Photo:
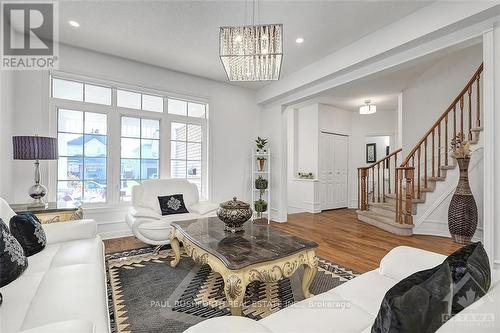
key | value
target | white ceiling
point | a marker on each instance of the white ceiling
(183, 35)
(383, 88)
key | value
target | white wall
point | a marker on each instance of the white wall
(311, 120)
(430, 94)
(306, 139)
(233, 123)
(6, 112)
(384, 122)
(381, 142)
(273, 126)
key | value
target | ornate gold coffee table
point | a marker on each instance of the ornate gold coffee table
(260, 253)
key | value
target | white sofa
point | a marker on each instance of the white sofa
(64, 287)
(144, 217)
(353, 306)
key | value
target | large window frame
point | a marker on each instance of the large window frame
(83, 179)
(114, 115)
(141, 158)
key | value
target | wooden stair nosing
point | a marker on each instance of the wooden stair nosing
(392, 196)
(385, 223)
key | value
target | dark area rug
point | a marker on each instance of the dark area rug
(145, 294)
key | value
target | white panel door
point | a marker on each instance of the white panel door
(333, 171)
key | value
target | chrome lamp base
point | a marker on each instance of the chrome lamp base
(37, 191)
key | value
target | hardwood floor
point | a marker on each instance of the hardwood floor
(341, 238)
(354, 244)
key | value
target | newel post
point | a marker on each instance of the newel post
(408, 213)
(363, 196)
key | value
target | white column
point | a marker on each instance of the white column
(491, 124)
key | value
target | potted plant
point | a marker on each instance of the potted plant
(261, 163)
(260, 207)
(462, 213)
(306, 175)
(261, 143)
(261, 183)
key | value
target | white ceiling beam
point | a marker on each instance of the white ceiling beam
(416, 28)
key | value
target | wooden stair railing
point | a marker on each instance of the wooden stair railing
(414, 172)
(377, 175)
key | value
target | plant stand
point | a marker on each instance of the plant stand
(265, 173)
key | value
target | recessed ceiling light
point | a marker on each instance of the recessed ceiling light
(74, 24)
(299, 40)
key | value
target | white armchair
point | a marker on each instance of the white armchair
(6, 212)
(144, 217)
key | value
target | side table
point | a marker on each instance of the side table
(52, 212)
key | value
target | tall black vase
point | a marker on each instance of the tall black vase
(462, 213)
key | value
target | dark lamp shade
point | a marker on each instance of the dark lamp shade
(34, 148)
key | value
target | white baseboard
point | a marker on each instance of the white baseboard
(115, 234)
(276, 216)
(113, 229)
(440, 228)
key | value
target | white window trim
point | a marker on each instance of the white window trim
(114, 114)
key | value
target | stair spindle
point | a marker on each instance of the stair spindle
(378, 182)
(396, 176)
(383, 181)
(373, 184)
(470, 112)
(396, 192)
(389, 175)
(454, 121)
(478, 97)
(439, 151)
(462, 114)
(425, 163)
(432, 154)
(418, 172)
(446, 140)
(359, 189)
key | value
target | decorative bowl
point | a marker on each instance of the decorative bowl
(234, 214)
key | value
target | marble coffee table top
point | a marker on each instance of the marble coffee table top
(256, 244)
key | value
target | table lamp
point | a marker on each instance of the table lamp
(35, 148)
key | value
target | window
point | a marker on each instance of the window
(101, 164)
(97, 94)
(140, 153)
(79, 91)
(186, 152)
(82, 164)
(184, 108)
(138, 101)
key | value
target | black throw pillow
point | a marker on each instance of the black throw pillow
(27, 229)
(172, 204)
(420, 303)
(13, 262)
(471, 274)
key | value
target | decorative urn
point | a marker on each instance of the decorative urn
(234, 214)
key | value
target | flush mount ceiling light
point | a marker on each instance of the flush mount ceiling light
(74, 24)
(299, 40)
(368, 108)
(251, 52)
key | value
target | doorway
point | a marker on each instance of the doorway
(333, 174)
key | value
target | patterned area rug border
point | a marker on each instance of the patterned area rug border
(115, 306)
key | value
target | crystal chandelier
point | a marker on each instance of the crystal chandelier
(252, 53)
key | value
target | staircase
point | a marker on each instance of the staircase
(389, 194)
